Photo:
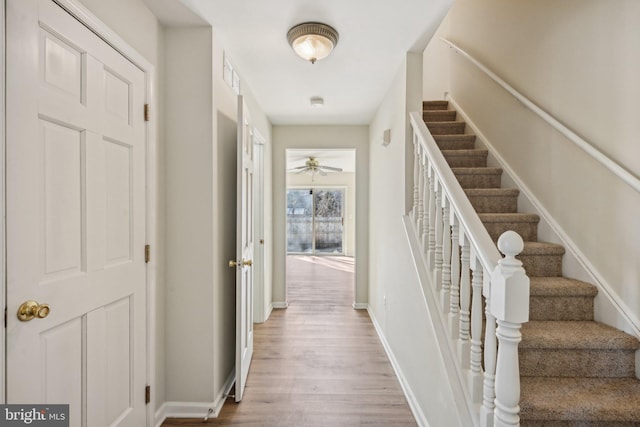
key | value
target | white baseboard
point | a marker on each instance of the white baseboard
(421, 419)
(600, 282)
(361, 306)
(160, 415)
(280, 304)
(195, 409)
(268, 313)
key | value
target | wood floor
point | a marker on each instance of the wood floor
(318, 362)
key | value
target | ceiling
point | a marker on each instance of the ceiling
(374, 37)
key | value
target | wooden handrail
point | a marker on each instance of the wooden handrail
(622, 173)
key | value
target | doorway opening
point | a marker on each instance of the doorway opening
(320, 214)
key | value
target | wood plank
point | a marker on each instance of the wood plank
(318, 362)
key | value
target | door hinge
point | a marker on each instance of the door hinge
(147, 394)
(146, 112)
(147, 253)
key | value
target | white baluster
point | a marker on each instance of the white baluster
(437, 272)
(510, 306)
(416, 155)
(424, 233)
(431, 252)
(446, 258)
(475, 375)
(454, 307)
(490, 353)
(464, 343)
(421, 185)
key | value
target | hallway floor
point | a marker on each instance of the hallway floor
(318, 362)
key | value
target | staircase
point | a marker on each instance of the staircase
(573, 371)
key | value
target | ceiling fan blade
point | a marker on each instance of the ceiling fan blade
(321, 172)
(302, 170)
(297, 167)
(331, 168)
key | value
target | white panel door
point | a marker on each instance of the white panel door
(75, 219)
(244, 250)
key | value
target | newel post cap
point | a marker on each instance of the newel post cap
(509, 282)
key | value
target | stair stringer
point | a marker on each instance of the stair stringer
(468, 412)
(610, 307)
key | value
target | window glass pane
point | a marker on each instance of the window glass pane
(299, 221)
(328, 221)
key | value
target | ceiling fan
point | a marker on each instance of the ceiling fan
(313, 166)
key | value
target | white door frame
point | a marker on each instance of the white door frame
(259, 315)
(83, 15)
(3, 281)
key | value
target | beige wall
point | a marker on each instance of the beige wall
(396, 301)
(314, 137)
(345, 180)
(579, 61)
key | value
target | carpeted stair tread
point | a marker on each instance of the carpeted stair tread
(560, 298)
(560, 287)
(491, 192)
(572, 335)
(581, 401)
(509, 217)
(542, 248)
(478, 177)
(466, 158)
(435, 105)
(526, 225)
(493, 200)
(455, 142)
(446, 128)
(439, 115)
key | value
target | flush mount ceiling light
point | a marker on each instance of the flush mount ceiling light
(312, 40)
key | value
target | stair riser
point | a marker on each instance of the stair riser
(439, 115)
(560, 308)
(479, 181)
(542, 265)
(576, 363)
(446, 128)
(479, 161)
(494, 204)
(527, 230)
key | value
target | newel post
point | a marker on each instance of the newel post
(510, 306)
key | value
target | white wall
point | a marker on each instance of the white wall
(189, 212)
(396, 300)
(326, 137)
(346, 180)
(579, 61)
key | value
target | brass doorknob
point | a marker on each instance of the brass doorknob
(243, 263)
(32, 309)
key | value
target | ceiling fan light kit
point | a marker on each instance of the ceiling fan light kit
(312, 166)
(312, 40)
